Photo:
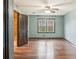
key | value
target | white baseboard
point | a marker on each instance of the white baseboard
(71, 42)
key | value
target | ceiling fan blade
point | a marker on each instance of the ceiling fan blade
(30, 6)
(55, 8)
(52, 11)
(67, 3)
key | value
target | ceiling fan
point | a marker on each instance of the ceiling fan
(50, 9)
(47, 8)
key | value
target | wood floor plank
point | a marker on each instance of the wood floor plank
(46, 49)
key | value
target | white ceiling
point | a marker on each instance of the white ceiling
(34, 7)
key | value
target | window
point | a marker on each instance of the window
(45, 24)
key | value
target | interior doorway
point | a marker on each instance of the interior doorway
(20, 29)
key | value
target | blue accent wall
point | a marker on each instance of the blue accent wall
(70, 26)
(59, 27)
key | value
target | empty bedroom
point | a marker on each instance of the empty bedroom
(44, 29)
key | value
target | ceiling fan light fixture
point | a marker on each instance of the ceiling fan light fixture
(47, 11)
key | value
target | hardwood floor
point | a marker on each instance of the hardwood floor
(46, 49)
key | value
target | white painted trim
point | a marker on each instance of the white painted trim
(28, 30)
(70, 43)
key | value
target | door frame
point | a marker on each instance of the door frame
(17, 26)
(6, 30)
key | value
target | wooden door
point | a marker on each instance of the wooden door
(25, 17)
(23, 30)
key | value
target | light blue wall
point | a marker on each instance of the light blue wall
(11, 51)
(70, 26)
(59, 27)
